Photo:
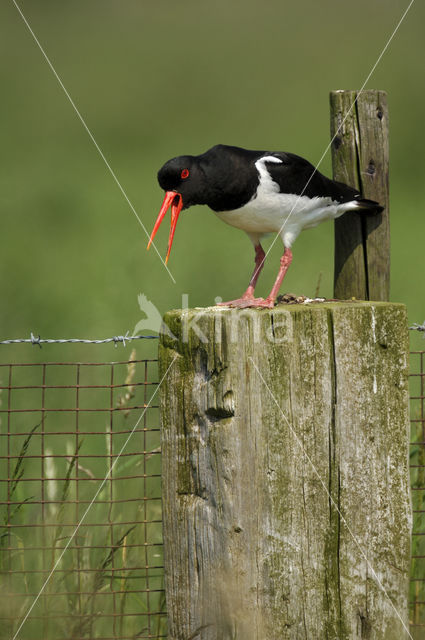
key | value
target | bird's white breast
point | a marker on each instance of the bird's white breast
(270, 211)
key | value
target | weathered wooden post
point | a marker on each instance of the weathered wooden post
(360, 152)
(285, 472)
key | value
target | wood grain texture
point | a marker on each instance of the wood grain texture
(360, 158)
(285, 472)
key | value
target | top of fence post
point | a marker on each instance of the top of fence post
(359, 130)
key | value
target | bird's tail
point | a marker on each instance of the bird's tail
(368, 206)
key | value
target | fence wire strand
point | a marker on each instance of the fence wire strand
(39, 341)
(124, 339)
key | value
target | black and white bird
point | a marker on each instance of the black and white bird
(260, 192)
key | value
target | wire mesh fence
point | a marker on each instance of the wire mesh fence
(417, 478)
(62, 427)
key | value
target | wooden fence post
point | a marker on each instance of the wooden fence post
(359, 122)
(286, 501)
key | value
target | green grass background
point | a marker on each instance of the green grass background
(154, 80)
(158, 79)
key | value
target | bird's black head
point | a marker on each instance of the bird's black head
(183, 182)
(184, 176)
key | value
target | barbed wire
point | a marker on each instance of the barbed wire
(37, 340)
(418, 327)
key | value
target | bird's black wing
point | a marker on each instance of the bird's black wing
(298, 176)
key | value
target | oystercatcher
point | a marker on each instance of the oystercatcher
(260, 192)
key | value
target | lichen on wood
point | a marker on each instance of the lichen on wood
(285, 472)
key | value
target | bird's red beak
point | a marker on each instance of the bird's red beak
(176, 201)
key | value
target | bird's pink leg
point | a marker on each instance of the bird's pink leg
(248, 296)
(285, 261)
(259, 264)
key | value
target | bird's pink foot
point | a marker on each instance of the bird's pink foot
(246, 303)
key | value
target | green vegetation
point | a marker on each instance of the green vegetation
(153, 80)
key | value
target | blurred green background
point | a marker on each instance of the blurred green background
(158, 79)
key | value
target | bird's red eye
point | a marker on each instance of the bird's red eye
(184, 174)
